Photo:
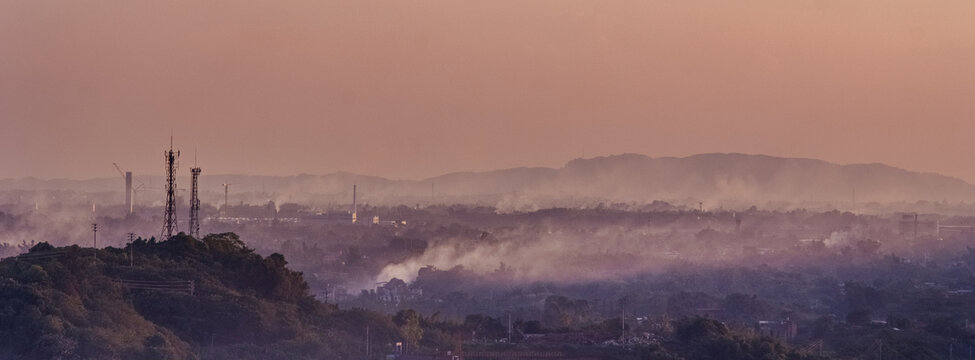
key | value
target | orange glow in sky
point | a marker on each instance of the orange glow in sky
(411, 89)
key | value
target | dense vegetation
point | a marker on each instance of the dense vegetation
(63, 303)
(856, 286)
(71, 303)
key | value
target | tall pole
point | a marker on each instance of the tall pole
(623, 325)
(509, 327)
(131, 249)
(355, 208)
(367, 341)
(915, 228)
(226, 197)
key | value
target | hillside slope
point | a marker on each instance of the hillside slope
(62, 303)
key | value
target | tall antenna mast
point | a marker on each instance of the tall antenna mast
(195, 204)
(354, 205)
(169, 226)
(195, 201)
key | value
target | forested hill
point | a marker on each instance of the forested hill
(214, 298)
(183, 299)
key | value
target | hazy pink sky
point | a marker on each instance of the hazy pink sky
(411, 89)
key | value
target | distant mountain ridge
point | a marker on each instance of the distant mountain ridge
(634, 178)
(719, 177)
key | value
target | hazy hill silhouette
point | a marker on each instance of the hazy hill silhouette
(716, 177)
(738, 178)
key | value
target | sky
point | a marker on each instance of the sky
(413, 89)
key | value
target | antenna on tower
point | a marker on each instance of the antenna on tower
(195, 202)
(169, 224)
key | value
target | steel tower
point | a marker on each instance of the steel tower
(170, 226)
(195, 205)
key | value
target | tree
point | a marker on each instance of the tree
(409, 326)
(41, 246)
(562, 312)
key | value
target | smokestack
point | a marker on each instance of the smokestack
(128, 191)
(915, 228)
(354, 205)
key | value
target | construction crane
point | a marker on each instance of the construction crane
(135, 191)
(120, 172)
(127, 178)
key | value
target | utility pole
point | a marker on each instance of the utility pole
(226, 196)
(94, 239)
(367, 341)
(131, 249)
(509, 327)
(623, 324)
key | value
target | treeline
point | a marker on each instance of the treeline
(878, 305)
(69, 303)
(230, 303)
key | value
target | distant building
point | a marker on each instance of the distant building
(911, 224)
